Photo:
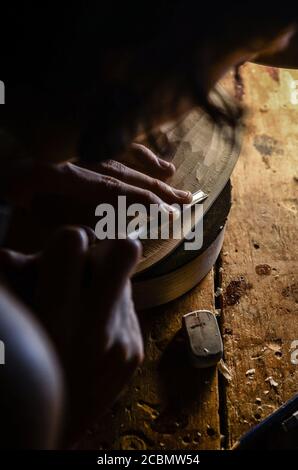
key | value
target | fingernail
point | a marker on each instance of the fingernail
(165, 164)
(185, 195)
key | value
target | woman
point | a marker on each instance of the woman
(81, 85)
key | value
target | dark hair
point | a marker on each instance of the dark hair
(57, 58)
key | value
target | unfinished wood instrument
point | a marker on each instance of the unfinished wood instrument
(205, 155)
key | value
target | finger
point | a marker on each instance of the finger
(135, 178)
(58, 209)
(60, 280)
(79, 191)
(14, 262)
(92, 239)
(129, 331)
(105, 380)
(20, 271)
(111, 262)
(110, 338)
(144, 160)
(115, 373)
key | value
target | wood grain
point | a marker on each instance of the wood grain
(205, 155)
(259, 261)
(168, 404)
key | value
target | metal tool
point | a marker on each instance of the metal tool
(203, 337)
(279, 431)
(197, 198)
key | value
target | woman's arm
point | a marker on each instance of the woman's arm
(31, 387)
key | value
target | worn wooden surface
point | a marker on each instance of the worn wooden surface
(259, 259)
(168, 405)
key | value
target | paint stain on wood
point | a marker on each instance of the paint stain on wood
(291, 291)
(267, 146)
(263, 269)
(235, 290)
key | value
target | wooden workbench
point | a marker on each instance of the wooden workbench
(169, 405)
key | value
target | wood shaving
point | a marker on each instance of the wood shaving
(274, 347)
(225, 371)
(218, 292)
(272, 382)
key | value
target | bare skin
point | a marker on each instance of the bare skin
(97, 336)
(80, 293)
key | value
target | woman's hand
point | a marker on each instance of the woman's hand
(104, 182)
(82, 296)
(66, 193)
